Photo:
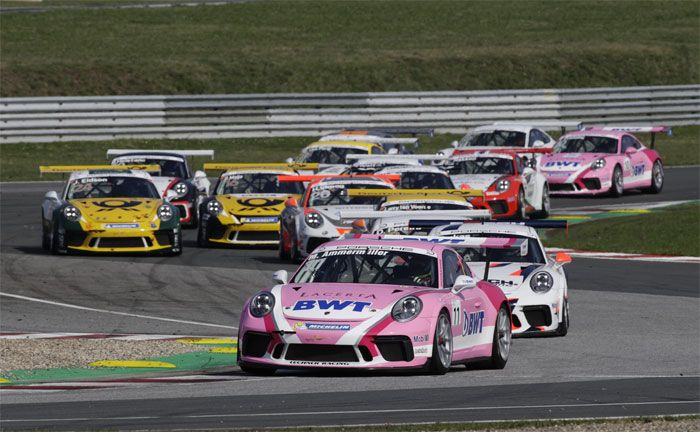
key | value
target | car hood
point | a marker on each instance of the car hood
(474, 181)
(569, 161)
(254, 204)
(98, 211)
(339, 301)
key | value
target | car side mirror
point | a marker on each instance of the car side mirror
(562, 258)
(280, 277)
(51, 195)
(463, 282)
(454, 144)
(170, 195)
(291, 202)
(289, 160)
(538, 143)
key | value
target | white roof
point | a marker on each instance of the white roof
(503, 127)
(125, 159)
(485, 154)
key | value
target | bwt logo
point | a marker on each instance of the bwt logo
(563, 164)
(356, 306)
(436, 240)
(473, 323)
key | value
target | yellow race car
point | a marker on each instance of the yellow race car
(246, 203)
(109, 209)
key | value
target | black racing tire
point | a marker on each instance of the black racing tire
(563, 327)
(543, 213)
(58, 241)
(202, 240)
(617, 187)
(294, 253)
(45, 236)
(657, 178)
(520, 212)
(502, 339)
(441, 360)
(176, 251)
(283, 254)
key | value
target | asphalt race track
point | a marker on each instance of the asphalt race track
(633, 347)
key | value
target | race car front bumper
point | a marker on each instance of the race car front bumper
(532, 319)
(589, 182)
(120, 241)
(501, 205)
(244, 233)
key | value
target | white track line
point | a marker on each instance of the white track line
(67, 305)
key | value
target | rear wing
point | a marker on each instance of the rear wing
(464, 193)
(506, 150)
(389, 130)
(414, 214)
(456, 242)
(63, 169)
(544, 224)
(394, 157)
(309, 178)
(372, 139)
(553, 125)
(119, 152)
(215, 166)
(653, 130)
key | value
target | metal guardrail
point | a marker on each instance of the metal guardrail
(55, 119)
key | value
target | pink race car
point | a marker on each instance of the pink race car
(603, 160)
(376, 302)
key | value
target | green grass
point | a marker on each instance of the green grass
(670, 231)
(311, 46)
(21, 161)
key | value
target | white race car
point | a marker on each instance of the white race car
(534, 283)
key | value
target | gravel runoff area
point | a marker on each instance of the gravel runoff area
(635, 425)
(64, 353)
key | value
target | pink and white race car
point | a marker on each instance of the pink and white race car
(377, 302)
(603, 160)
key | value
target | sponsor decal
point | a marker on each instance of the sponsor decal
(317, 363)
(332, 294)
(503, 283)
(638, 170)
(420, 350)
(473, 323)
(260, 219)
(93, 180)
(354, 306)
(421, 338)
(122, 225)
(268, 204)
(327, 326)
(562, 164)
(116, 204)
(358, 251)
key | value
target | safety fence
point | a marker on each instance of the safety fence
(56, 119)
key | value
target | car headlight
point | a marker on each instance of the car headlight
(71, 213)
(541, 282)
(313, 219)
(406, 309)
(165, 213)
(214, 207)
(262, 304)
(598, 164)
(181, 189)
(502, 185)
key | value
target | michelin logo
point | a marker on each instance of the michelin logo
(336, 327)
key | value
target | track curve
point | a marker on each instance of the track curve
(632, 349)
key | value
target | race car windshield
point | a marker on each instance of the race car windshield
(368, 265)
(587, 144)
(329, 155)
(337, 194)
(111, 187)
(482, 165)
(497, 138)
(257, 184)
(168, 168)
(372, 167)
(425, 180)
(534, 253)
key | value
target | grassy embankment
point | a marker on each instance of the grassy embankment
(669, 231)
(350, 46)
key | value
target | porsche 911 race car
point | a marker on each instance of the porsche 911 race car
(109, 209)
(414, 175)
(512, 189)
(603, 160)
(535, 284)
(376, 303)
(328, 153)
(508, 134)
(174, 175)
(383, 137)
(315, 219)
(246, 203)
